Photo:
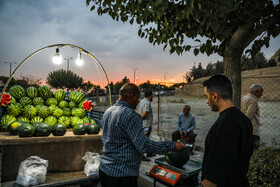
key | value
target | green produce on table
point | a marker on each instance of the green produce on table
(38, 101)
(77, 97)
(78, 112)
(80, 105)
(178, 158)
(14, 109)
(24, 101)
(59, 95)
(5, 121)
(64, 120)
(51, 120)
(12, 128)
(43, 111)
(26, 130)
(63, 104)
(67, 112)
(58, 112)
(51, 101)
(93, 128)
(45, 92)
(52, 108)
(75, 120)
(29, 111)
(43, 129)
(59, 129)
(36, 124)
(31, 92)
(72, 104)
(36, 119)
(80, 129)
(22, 118)
(17, 91)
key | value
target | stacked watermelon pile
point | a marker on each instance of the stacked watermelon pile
(41, 105)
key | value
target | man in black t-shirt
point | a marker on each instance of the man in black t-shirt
(229, 142)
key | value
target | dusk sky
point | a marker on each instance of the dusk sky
(26, 26)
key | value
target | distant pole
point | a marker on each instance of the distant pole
(10, 66)
(134, 70)
(165, 76)
(68, 59)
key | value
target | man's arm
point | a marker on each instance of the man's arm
(207, 183)
(144, 114)
(193, 125)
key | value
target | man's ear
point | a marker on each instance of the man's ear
(215, 96)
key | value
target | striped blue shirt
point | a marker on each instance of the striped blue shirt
(124, 141)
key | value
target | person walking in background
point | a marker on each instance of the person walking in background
(146, 112)
(250, 107)
(124, 141)
(229, 142)
(185, 125)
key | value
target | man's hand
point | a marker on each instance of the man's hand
(179, 146)
(181, 133)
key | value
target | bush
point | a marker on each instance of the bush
(264, 169)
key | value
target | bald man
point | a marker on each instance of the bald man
(124, 141)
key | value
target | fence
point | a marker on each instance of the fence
(192, 94)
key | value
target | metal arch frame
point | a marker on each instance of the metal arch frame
(60, 46)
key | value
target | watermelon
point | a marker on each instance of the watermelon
(63, 104)
(25, 130)
(85, 120)
(51, 120)
(80, 129)
(67, 112)
(52, 108)
(5, 121)
(78, 112)
(58, 112)
(43, 111)
(22, 118)
(17, 91)
(64, 120)
(43, 129)
(93, 128)
(29, 111)
(31, 92)
(13, 100)
(78, 97)
(25, 101)
(178, 158)
(38, 101)
(80, 105)
(12, 128)
(71, 96)
(75, 120)
(14, 109)
(59, 95)
(36, 119)
(44, 91)
(72, 104)
(51, 101)
(59, 129)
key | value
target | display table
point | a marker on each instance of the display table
(64, 153)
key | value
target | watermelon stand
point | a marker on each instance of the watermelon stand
(64, 153)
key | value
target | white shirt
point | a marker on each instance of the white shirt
(145, 105)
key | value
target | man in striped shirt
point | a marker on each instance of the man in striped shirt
(124, 141)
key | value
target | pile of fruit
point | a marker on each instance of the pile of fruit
(43, 110)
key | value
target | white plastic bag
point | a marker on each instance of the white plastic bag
(92, 163)
(32, 171)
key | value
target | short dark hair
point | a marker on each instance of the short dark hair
(129, 90)
(220, 84)
(148, 93)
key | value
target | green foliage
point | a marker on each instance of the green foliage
(264, 169)
(25, 81)
(64, 79)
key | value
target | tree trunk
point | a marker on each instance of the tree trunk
(232, 69)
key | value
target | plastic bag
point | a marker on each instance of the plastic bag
(92, 163)
(32, 171)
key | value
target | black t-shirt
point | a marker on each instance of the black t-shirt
(228, 148)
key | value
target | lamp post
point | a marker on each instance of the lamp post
(10, 66)
(68, 59)
(134, 70)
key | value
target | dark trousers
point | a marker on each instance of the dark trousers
(176, 135)
(108, 181)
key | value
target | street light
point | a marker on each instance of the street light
(79, 60)
(134, 74)
(10, 66)
(57, 58)
(68, 62)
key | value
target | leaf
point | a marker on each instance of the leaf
(195, 51)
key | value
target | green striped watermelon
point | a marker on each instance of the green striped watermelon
(12, 128)
(5, 121)
(78, 97)
(17, 91)
(59, 95)
(80, 105)
(36, 119)
(22, 118)
(75, 120)
(51, 101)
(29, 111)
(63, 104)
(44, 92)
(78, 112)
(14, 109)
(72, 104)
(52, 108)
(43, 111)
(13, 100)
(25, 101)
(38, 101)
(67, 112)
(31, 92)
(65, 121)
(71, 96)
(58, 112)
(51, 120)
(85, 120)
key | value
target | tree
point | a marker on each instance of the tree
(147, 86)
(64, 79)
(31, 81)
(229, 26)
